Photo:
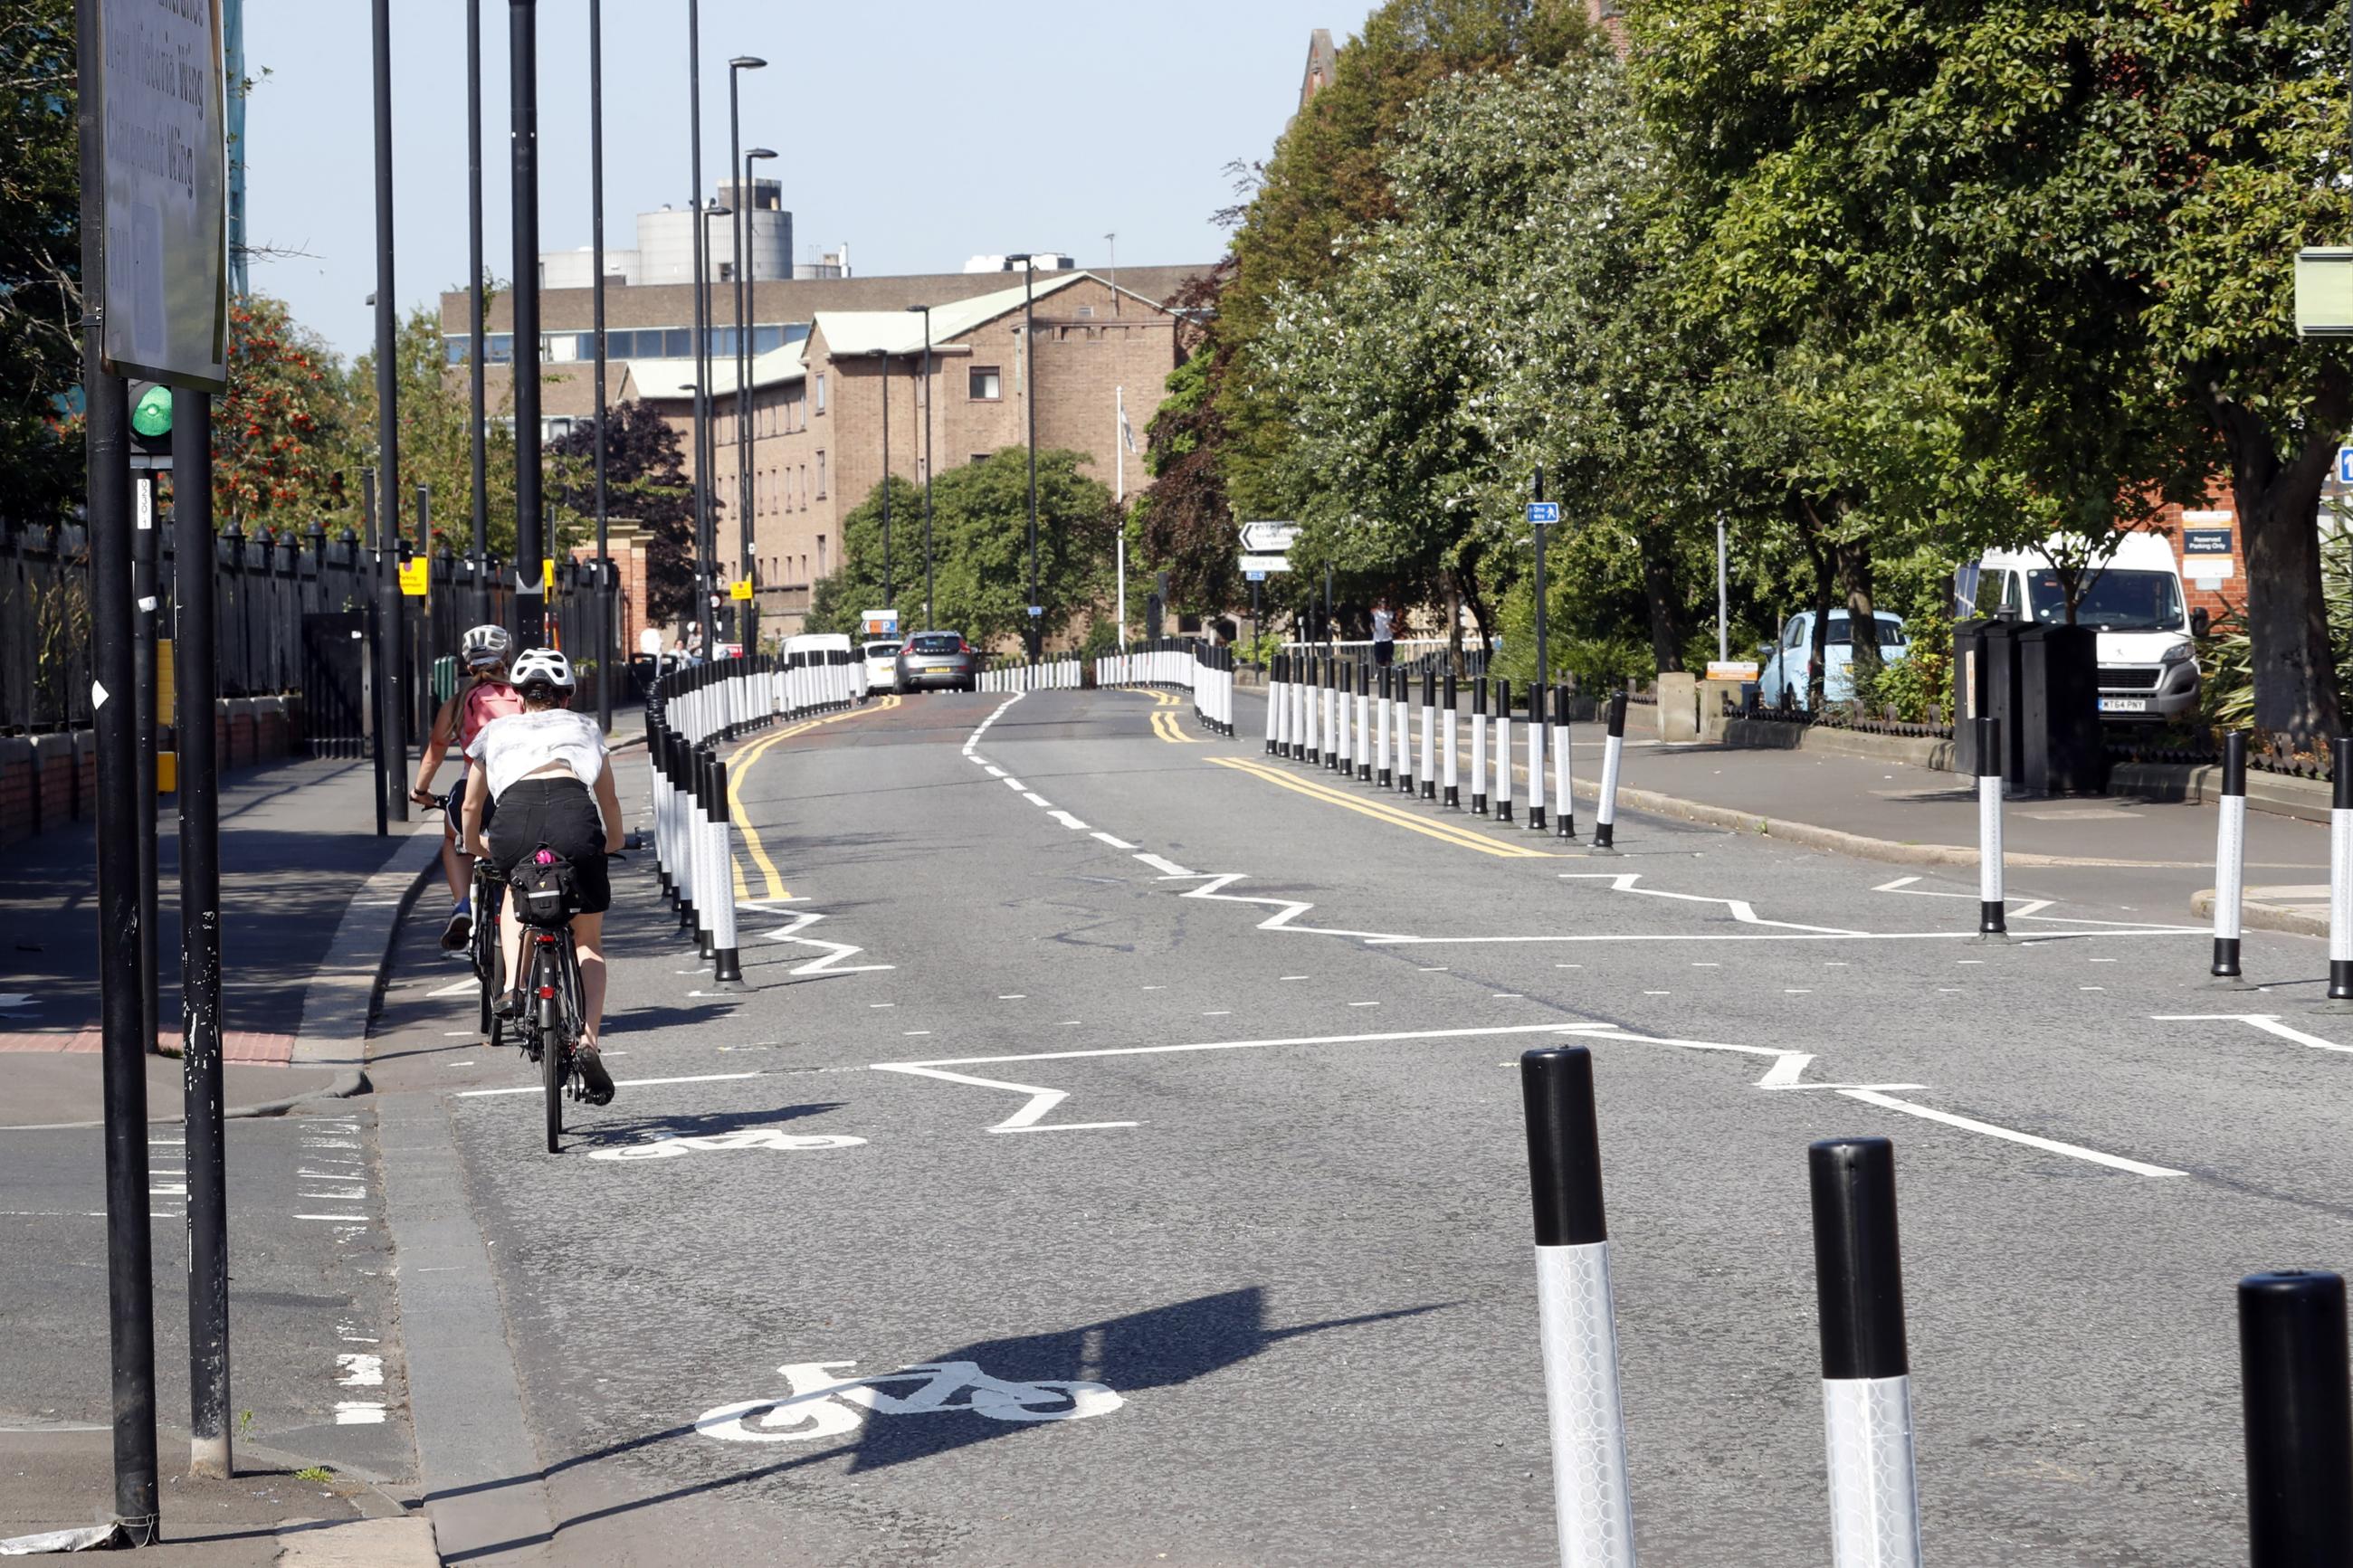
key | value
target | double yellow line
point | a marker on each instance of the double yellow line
(740, 768)
(1166, 708)
(1439, 828)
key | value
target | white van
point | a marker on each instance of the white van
(2149, 669)
(835, 643)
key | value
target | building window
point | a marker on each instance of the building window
(820, 554)
(1086, 310)
(820, 405)
(820, 473)
(985, 385)
(980, 457)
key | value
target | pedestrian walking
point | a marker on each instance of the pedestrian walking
(1383, 634)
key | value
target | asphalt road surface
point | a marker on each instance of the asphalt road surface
(1159, 1100)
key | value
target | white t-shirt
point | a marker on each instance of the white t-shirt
(515, 744)
(1381, 626)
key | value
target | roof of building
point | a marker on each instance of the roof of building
(850, 333)
(674, 378)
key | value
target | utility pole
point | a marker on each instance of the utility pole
(130, 1250)
(479, 431)
(706, 565)
(928, 390)
(606, 671)
(530, 548)
(1544, 669)
(391, 695)
(146, 620)
(1029, 402)
(195, 677)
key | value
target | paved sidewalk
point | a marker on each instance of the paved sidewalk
(303, 896)
(273, 1511)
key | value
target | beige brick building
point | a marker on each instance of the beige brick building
(818, 396)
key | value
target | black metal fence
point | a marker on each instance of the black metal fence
(264, 586)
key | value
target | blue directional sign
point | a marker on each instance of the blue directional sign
(1541, 511)
(2345, 465)
(1037, 610)
(1257, 576)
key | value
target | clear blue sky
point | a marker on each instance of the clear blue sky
(921, 133)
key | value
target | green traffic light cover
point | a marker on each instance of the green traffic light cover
(153, 417)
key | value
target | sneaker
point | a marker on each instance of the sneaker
(461, 929)
(598, 1082)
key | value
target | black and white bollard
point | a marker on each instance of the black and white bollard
(2230, 856)
(726, 963)
(1428, 734)
(1537, 733)
(1275, 685)
(1364, 724)
(1447, 765)
(1563, 792)
(2291, 1374)
(707, 891)
(1350, 734)
(689, 819)
(1613, 746)
(1479, 745)
(1992, 907)
(1866, 1368)
(1318, 705)
(2340, 872)
(1592, 1502)
(1383, 703)
(1502, 750)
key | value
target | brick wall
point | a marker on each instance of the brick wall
(48, 781)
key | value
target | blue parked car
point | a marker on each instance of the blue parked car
(1788, 664)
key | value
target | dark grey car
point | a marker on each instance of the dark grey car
(938, 660)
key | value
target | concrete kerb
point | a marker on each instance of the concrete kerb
(2261, 916)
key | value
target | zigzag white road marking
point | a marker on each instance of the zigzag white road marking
(1742, 909)
(835, 951)
(1287, 910)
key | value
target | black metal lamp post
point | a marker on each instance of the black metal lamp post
(605, 650)
(745, 400)
(479, 423)
(882, 358)
(705, 568)
(926, 312)
(531, 584)
(1029, 402)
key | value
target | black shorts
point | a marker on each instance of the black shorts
(1383, 652)
(562, 813)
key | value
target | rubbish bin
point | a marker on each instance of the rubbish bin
(1985, 684)
(2060, 748)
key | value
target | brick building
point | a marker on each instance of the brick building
(827, 351)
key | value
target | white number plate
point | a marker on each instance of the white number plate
(2123, 704)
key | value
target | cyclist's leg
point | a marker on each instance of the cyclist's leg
(588, 942)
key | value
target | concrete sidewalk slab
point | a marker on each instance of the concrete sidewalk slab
(61, 1088)
(54, 1482)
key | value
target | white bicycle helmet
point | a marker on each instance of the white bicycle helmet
(541, 664)
(485, 646)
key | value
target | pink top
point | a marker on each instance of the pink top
(479, 705)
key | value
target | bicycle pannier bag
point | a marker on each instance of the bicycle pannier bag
(544, 888)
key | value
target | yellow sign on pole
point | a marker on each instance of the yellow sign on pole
(167, 690)
(415, 575)
(547, 574)
(167, 772)
(739, 590)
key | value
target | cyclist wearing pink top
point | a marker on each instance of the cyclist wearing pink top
(485, 696)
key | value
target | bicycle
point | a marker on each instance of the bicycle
(489, 954)
(555, 1004)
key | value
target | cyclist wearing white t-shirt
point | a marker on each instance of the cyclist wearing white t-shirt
(546, 770)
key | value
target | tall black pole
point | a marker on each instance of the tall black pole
(1544, 670)
(889, 599)
(479, 430)
(146, 624)
(390, 686)
(369, 542)
(196, 680)
(1029, 402)
(607, 665)
(706, 576)
(742, 401)
(531, 545)
(130, 1261)
(928, 390)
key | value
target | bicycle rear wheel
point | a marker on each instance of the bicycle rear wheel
(550, 1062)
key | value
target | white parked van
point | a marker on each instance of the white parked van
(831, 642)
(2149, 670)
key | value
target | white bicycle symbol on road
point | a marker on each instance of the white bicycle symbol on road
(823, 1403)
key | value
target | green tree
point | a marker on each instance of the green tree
(1183, 523)
(281, 433)
(644, 480)
(436, 443)
(40, 258)
(2090, 207)
(980, 552)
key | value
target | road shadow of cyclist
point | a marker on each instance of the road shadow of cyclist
(1155, 1348)
(647, 1129)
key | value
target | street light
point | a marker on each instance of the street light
(604, 660)
(479, 421)
(704, 578)
(1029, 399)
(735, 70)
(522, 92)
(882, 358)
(750, 628)
(926, 312)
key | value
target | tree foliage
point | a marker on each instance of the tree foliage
(40, 258)
(282, 432)
(644, 480)
(980, 551)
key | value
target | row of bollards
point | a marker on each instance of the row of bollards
(2298, 1411)
(689, 712)
(1367, 721)
(1043, 675)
